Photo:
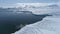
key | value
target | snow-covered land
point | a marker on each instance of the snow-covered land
(49, 25)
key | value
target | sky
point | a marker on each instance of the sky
(10, 2)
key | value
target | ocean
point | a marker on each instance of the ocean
(10, 22)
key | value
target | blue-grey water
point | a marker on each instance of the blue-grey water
(9, 20)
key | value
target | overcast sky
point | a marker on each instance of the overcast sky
(10, 2)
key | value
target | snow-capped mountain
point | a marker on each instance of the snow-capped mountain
(35, 8)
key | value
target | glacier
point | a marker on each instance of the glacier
(49, 25)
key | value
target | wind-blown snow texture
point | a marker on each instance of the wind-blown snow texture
(49, 25)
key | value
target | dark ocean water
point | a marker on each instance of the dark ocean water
(9, 21)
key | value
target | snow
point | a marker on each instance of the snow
(38, 8)
(32, 30)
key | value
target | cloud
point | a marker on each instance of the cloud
(23, 4)
(34, 4)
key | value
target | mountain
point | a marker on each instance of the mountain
(35, 8)
(53, 6)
